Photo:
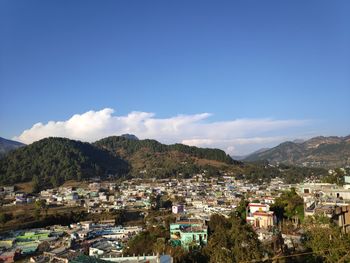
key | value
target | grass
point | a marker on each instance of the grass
(24, 187)
(24, 215)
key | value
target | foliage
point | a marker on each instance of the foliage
(295, 174)
(5, 217)
(131, 146)
(241, 209)
(35, 184)
(52, 161)
(289, 205)
(262, 171)
(232, 240)
(336, 177)
(147, 241)
(120, 217)
(150, 158)
(328, 243)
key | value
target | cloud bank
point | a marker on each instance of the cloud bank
(239, 136)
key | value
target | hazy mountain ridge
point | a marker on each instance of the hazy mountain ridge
(8, 145)
(242, 157)
(327, 152)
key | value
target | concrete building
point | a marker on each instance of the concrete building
(178, 209)
(260, 216)
(187, 233)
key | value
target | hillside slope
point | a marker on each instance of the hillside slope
(327, 152)
(150, 157)
(55, 160)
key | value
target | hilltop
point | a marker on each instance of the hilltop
(152, 158)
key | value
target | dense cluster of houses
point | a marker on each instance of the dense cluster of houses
(193, 202)
(64, 243)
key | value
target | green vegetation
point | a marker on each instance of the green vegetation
(149, 158)
(5, 217)
(116, 144)
(258, 172)
(230, 240)
(147, 241)
(336, 177)
(290, 206)
(51, 161)
(326, 241)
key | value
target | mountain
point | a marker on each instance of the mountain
(52, 161)
(242, 157)
(55, 160)
(8, 145)
(326, 152)
(150, 157)
(130, 136)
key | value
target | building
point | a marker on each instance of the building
(341, 217)
(178, 209)
(188, 233)
(260, 216)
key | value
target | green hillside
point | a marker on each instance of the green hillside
(151, 158)
(55, 160)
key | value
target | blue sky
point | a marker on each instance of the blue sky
(251, 60)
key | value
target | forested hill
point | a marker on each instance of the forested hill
(54, 160)
(127, 146)
(153, 158)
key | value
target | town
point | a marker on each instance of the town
(183, 207)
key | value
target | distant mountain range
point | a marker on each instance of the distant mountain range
(52, 161)
(8, 145)
(326, 152)
(242, 157)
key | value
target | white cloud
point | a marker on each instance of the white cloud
(238, 136)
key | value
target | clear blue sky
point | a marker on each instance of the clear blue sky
(234, 59)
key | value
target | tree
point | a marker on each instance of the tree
(159, 246)
(241, 209)
(35, 184)
(120, 217)
(39, 205)
(141, 244)
(5, 217)
(232, 240)
(289, 205)
(328, 243)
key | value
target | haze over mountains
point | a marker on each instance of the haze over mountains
(8, 145)
(327, 152)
